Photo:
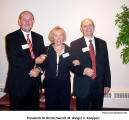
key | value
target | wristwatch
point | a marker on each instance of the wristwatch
(40, 70)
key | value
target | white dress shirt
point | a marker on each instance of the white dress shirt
(88, 43)
(58, 62)
(25, 35)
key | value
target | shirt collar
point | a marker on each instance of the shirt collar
(25, 33)
(87, 39)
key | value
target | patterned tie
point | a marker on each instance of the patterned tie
(93, 58)
(30, 47)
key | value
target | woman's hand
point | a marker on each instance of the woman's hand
(76, 62)
(40, 59)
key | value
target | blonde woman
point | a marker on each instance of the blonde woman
(57, 74)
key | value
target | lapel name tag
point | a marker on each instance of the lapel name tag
(85, 49)
(65, 55)
(26, 46)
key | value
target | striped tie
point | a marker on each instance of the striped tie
(30, 47)
(93, 58)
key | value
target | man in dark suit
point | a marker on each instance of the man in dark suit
(90, 88)
(24, 51)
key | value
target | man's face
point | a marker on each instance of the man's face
(26, 21)
(87, 28)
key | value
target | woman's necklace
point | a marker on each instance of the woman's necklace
(58, 49)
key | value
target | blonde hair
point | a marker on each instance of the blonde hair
(54, 30)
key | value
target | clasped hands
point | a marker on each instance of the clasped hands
(90, 72)
(87, 71)
(35, 71)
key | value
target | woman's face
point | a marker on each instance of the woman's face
(58, 38)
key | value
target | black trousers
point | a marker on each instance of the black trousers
(88, 104)
(28, 102)
(94, 101)
(57, 94)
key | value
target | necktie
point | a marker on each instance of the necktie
(30, 47)
(93, 58)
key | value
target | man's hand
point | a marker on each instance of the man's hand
(76, 62)
(89, 72)
(34, 72)
(40, 59)
(106, 90)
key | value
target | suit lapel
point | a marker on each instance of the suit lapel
(83, 43)
(34, 44)
(22, 41)
(97, 48)
(61, 56)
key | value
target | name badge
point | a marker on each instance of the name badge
(85, 49)
(26, 46)
(65, 55)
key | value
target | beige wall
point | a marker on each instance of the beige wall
(68, 14)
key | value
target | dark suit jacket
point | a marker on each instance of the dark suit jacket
(64, 66)
(83, 84)
(20, 62)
